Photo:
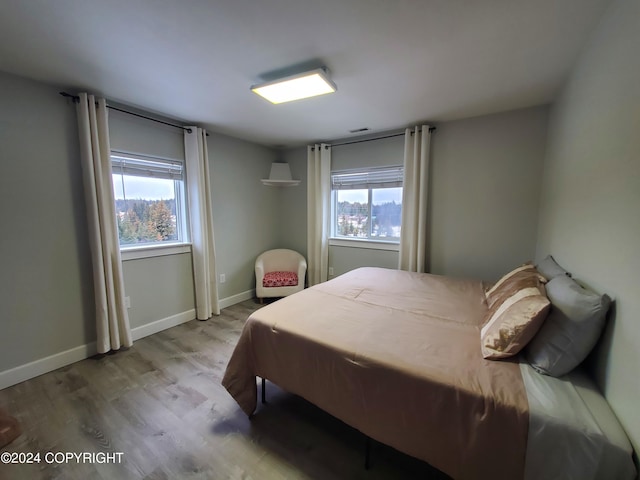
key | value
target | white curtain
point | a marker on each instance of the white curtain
(203, 249)
(112, 319)
(413, 234)
(318, 212)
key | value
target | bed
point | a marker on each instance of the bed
(397, 356)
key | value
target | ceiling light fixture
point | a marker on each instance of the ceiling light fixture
(295, 87)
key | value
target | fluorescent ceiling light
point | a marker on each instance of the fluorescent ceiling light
(296, 87)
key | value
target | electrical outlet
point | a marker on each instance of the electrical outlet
(127, 302)
(223, 278)
(330, 270)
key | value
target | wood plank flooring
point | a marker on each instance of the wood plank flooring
(161, 404)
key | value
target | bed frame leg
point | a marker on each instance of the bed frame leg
(264, 391)
(367, 453)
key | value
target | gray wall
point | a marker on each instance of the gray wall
(293, 201)
(378, 153)
(133, 134)
(246, 214)
(344, 259)
(485, 190)
(46, 295)
(158, 287)
(589, 216)
(245, 218)
(292, 206)
(46, 299)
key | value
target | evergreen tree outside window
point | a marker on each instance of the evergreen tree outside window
(367, 204)
(149, 200)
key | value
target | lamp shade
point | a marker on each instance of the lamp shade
(280, 176)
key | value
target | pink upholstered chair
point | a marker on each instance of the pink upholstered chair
(279, 273)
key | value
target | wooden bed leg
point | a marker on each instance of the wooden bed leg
(367, 453)
(264, 391)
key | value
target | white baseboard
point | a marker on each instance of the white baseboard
(240, 297)
(53, 362)
(162, 324)
(45, 365)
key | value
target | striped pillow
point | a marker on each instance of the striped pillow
(524, 276)
(517, 307)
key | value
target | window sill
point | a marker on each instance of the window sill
(364, 243)
(148, 251)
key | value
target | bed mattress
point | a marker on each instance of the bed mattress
(397, 356)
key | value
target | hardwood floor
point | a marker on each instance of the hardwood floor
(161, 404)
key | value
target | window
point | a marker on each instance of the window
(149, 198)
(367, 204)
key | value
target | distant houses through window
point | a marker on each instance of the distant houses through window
(367, 204)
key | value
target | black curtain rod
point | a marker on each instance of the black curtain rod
(431, 129)
(366, 140)
(149, 118)
(77, 99)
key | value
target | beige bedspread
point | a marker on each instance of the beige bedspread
(397, 356)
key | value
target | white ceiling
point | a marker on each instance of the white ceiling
(396, 62)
